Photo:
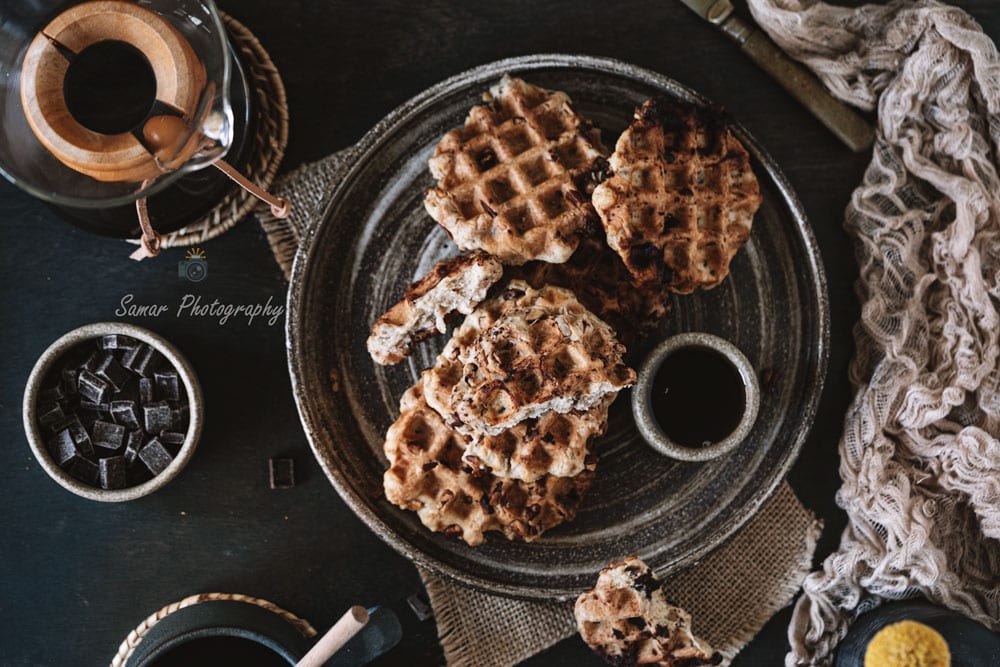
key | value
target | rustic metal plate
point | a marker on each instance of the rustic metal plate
(375, 238)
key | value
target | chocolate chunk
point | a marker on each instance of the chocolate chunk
(69, 375)
(92, 388)
(282, 472)
(54, 394)
(112, 371)
(85, 471)
(98, 408)
(117, 342)
(108, 435)
(62, 447)
(145, 390)
(125, 413)
(134, 444)
(145, 361)
(155, 456)
(112, 472)
(179, 418)
(51, 416)
(91, 362)
(157, 417)
(172, 438)
(81, 438)
(167, 385)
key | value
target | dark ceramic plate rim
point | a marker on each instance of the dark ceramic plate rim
(370, 143)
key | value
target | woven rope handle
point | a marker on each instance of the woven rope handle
(130, 643)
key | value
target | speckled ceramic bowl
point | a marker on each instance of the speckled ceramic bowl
(55, 353)
(642, 397)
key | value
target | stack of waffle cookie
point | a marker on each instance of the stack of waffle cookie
(571, 253)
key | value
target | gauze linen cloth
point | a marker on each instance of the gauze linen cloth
(920, 460)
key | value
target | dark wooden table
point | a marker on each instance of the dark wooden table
(76, 576)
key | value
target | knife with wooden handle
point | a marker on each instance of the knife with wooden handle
(840, 119)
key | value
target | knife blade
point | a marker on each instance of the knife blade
(848, 125)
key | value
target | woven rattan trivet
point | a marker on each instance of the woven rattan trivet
(267, 146)
(134, 637)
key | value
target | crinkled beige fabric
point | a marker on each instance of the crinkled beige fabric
(920, 455)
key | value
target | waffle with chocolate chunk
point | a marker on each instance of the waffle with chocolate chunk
(552, 444)
(627, 620)
(453, 285)
(516, 179)
(682, 198)
(598, 277)
(428, 476)
(522, 354)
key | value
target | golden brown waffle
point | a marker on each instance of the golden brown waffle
(428, 476)
(516, 179)
(553, 444)
(453, 285)
(596, 274)
(682, 198)
(522, 354)
(627, 620)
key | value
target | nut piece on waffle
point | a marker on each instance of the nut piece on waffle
(682, 198)
(553, 444)
(516, 179)
(453, 285)
(627, 620)
(522, 354)
(427, 475)
(596, 274)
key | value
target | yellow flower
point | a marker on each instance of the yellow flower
(907, 644)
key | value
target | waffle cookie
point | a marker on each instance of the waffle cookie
(522, 354)
(453, 285)
(627, 620)
(516, 179)
(598, 277)
(553, 444)
(682, 198)
(428, 476)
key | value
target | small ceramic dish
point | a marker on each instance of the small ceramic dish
(55, 353)
(642, 397)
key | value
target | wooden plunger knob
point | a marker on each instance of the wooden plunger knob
(180, 79)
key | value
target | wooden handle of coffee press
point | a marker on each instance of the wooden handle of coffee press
(180, 80)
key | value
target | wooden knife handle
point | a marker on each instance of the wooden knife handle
(840, 119)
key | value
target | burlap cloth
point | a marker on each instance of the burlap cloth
(920, 455)
(731, 593)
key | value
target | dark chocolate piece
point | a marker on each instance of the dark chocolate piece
(112, 472)
(54, 394)
(125, 413)
(167, 385)
(172, 438)
(80, 436)
(51, 416)
(97, 408)
(112, 371)
(135, 441)
(85, 471)
(91, 362)
(146, 361)
(282, 472)
(92, 388)
(108, 435)
(62, 447)
(179, 418)
(155, 456)
(116, 342)
(157, 417)
(145, 390)
(69, 380)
